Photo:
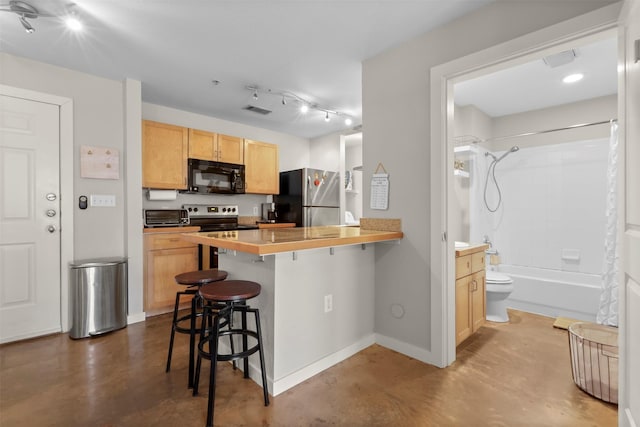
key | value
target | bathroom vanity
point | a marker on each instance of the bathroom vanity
(470, 290)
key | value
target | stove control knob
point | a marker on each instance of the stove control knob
(233, 209)
(190, 209)
(195, 209)
(224, 210)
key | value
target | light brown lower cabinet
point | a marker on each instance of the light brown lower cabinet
(165, 256)
(470, 294)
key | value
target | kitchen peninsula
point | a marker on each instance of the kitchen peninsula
(317, 299)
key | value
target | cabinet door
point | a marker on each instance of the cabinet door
(463, 309)
(162, 266)
(478, 300)
(202, 145)
(230, 149)
(164, 155)
(262, 174)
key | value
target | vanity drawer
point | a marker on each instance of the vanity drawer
(477, 261)
(463, 266)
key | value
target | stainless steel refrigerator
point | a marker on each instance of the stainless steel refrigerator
(309, 197)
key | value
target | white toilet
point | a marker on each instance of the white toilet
(499, 287)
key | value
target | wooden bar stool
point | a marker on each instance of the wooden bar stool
(193, 280)
(232, 293)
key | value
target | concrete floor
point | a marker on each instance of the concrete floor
(515, 374)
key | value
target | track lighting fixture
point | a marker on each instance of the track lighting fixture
(27, 27)
(25, 11)
(287, 98)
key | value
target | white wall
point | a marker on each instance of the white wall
(396, 109)
(324, 153)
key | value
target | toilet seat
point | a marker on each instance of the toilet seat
(497, 278)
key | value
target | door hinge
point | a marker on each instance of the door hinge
(444, 236)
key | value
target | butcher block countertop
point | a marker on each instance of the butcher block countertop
(272, 241)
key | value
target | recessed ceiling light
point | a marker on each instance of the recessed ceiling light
(348, 121)
(304, 108)
(572, 78)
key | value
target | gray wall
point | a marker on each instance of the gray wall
(396, 124)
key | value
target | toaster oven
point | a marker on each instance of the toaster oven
(165, 217)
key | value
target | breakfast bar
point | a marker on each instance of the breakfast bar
(317, 299)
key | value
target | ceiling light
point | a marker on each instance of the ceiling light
(326, 117)
(255, 94)
(348, 121)
(27, 27)
(572, 78)
(73, 23)
(284, 101)
(304, 108)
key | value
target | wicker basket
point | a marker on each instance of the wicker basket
(594, 359)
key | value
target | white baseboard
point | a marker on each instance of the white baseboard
(407, 349)
(135, 318)
(307, 372)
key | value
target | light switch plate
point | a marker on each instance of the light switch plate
(103, 200)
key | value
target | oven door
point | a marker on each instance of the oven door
(208, 255)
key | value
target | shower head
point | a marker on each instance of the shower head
(489, 154)
(511, 150)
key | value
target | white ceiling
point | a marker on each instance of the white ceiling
(313, 48)
(535, 85)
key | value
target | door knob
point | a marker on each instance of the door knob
(51, 229)
(51, 197)
(51, 213)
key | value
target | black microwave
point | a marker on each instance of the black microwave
(207, 177)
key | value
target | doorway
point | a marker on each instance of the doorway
(443, 78)
(56, 303)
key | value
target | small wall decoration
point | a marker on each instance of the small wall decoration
(380, 189)
(99, 162)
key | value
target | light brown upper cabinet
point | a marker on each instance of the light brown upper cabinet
(262, 174)
(164, 155)
(215, 147)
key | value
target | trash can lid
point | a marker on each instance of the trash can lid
(97, 262)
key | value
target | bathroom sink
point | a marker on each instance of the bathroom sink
(460, 245)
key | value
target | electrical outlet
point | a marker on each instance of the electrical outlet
(255, 211)
(328, 303)
(103, 200)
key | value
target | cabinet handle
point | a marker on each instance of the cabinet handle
(174, 240)
(475, 285)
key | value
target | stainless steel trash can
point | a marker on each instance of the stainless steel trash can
(98, 296)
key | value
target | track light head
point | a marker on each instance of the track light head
(326, 117)
(27, 26)
(284, 101)
(255, 95)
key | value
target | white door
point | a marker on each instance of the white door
(629, 399)
(29, 219)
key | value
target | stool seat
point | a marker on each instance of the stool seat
(230, 291)
(201, 277)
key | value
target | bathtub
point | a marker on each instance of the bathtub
(554, 292)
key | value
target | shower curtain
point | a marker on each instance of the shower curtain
(608, 310)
